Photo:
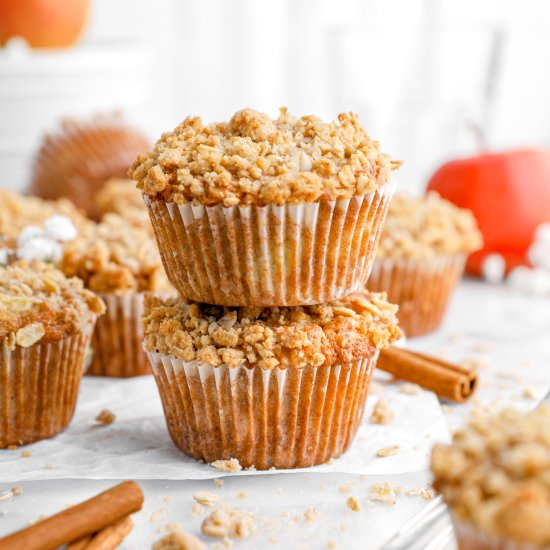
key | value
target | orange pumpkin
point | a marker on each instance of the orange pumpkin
(509, 194)
(43, 23)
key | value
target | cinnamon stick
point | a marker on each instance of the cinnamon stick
(77, 522)
(447, 380)
(108, 538)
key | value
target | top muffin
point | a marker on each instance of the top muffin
(254, 160)
(421, 228)
(38, 304)
(496, 475)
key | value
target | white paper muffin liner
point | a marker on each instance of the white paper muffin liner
(468, 537)
(117, 348)
(421, 288)
(281, 418)
(270, 255)
(39, 387)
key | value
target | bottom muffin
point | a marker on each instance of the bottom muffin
(46, 323)
(272, 387)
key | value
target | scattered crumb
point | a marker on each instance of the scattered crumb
(17, 490)
(41, 517)
(375, 387)
(330, 545)
(388, 451)
(330, 461)
(381, 413)
(353, 504)
(167, 498)
(529, 392)
(273, 539)
(13, 447)
(410, 389)
(6, 495)
(155, 516)
(485, 347)
(105, 417)
(197, 510)
(311, 515)
(218, 482)
(69, 504)
(178, 539)
(455, 338)
(206, 498)
(243, 494)
(383, 492)
(344, 487)
(230, 466)
(476, 363)
(25, 454)
(425, 494)
(228, 522)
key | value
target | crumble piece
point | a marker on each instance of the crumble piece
(353, 504)
(410, 389)
(206, 498)
(485, 347)
(381, 413)
(383, 492)
(197, 510)
(344, 487)
(243, 495)
(17, 490)
(529, 392)
(228, 522)
(421, 228)
(253, 159)
(273, 539)
(6, 495)
(424, 494)
(25, 454)
(168, 498)
(156, 516)
(105, 417)
(231, 466)
(218, 482)
(388, 451)
(375, 387)
(331, 545)
(311, 515)
(178, 539)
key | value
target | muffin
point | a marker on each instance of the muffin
(46, 322)
(119, 262)
(495, 478)
(281, 387)
(77, 160)
(421, 258)
(261, 212)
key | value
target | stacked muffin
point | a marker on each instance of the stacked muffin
(266, 227)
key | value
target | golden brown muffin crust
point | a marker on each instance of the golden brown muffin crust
(253, 159)
(39, 304)
(496, 474)
(335, 333)
(420, 228)
(115, 258)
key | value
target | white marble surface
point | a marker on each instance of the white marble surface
(509, 334)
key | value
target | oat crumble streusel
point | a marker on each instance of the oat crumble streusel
(115, 258)
(336, 333)
(39, 304)
(420, 228)
(253, 159)
(496, 474)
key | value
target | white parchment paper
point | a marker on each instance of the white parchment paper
(137, 444)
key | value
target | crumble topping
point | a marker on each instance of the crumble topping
(353, 504)
(178, 539)
(206, 498)
(253, 159)
(231, 466)
(381, 413)
(115, 258)
(105, 417)
(336, 333)
(39, 304)
(496, 474)
(420, 228)
(228, 522)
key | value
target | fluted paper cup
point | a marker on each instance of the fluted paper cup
(421, 288)
(468, 537)
(39, 387)
(281, 418)
(117, 349)
(269, 255)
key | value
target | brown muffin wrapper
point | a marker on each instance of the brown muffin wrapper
(270, 255)
(117, 343)
(39, 387)
(421, 288)
(279, 418)
(468, 537)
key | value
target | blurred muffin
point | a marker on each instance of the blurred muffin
(77, 160)
(495, 478)
(119, 262)
(421, 258)
(281, 387)
(261, 212)
(46, 322)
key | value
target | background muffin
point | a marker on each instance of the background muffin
(261, 212)
(46, 322)
(495, 477)
(421, 258)
(119, 262)
(273, 387)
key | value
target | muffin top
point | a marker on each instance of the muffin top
(253, 159)
(38, 304)
(420, 228)
(496, 474)
(18, 212)
(115, 258)
(336, 333)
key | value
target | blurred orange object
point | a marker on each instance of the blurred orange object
(508, 193)
(43, 23)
